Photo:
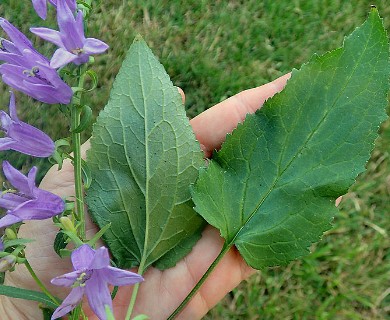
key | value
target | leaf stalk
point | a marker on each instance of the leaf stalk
(225, 249)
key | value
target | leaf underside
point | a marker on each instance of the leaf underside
(143, 158)
(271, 189)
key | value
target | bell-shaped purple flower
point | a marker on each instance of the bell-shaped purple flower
(22, 137)
(40, 6)
(73, 46)
(27, 202)
(91, 276)
(28, 71)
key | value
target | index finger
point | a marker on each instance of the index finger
(212, 125)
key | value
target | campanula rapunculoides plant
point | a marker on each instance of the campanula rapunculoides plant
(269, 191)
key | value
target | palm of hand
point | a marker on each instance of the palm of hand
(162, 291)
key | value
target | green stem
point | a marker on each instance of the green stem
(76, 143)
(132, 301)
(135, 292)
(224, 250)
(40, 284)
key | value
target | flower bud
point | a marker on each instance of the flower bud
(10, 234)
(67, 224)
(7, 263)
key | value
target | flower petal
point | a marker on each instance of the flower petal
(101, 259)
(47, 205)
(8, 46)
(69, 303)
(67, 279)
(8, 220)
(119, 277)
(10, 201)
(30, 140)
(94, 46)
(98, 296)
(13, 76)
(61, 57)
(17, 37)
(82, 257)
(16, 178)
(48, 94)
(50, 35)
(6, 144)
(40, 7)
(5, 121)
(12, 58)
(12, 107)
(71, 4)
(72, 37)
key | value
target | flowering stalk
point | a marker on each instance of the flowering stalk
(76, 141)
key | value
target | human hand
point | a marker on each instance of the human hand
(162, 291)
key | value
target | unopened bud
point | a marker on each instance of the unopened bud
(67, 224)
(10, 234)
(7, 263)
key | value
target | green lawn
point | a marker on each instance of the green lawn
(214, 49)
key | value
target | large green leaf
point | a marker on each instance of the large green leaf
(271, 189)
(143, 158)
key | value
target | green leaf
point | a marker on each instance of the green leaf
(25, 294)
(271, 189)
(16, 242)
(86, 174)
(143, 158)
(47, 313)
(85, 119)
(60, 242)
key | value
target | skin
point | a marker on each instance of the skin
(162, 291)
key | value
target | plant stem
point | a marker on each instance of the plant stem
(132, 301)
(40, 284)
(135, 292)
(224, 250)
(76, 144)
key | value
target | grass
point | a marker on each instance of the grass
(214, 49)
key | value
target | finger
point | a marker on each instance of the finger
(183, 96)
(212, 125)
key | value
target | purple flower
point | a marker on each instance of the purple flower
(28, 71)
(40, 6)
(73, 46)
(92, 274)
(22, 137)
(27, 202)
(1, 245)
